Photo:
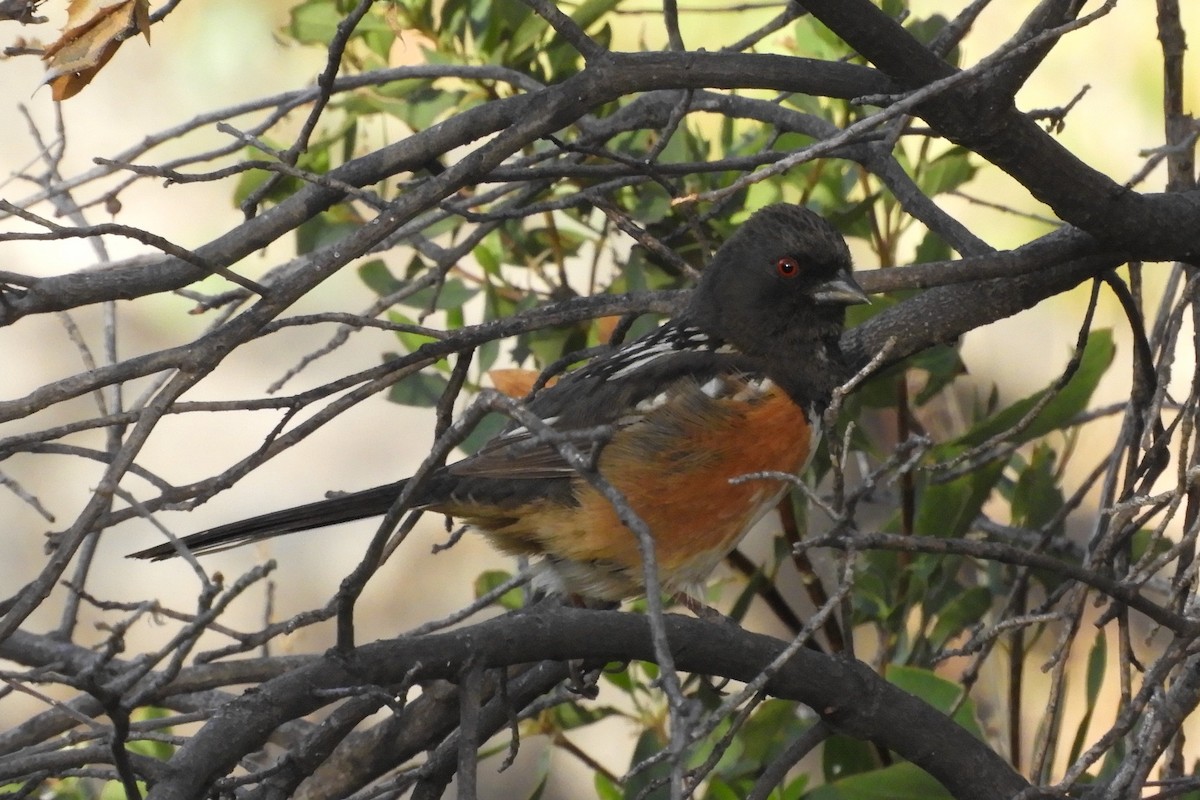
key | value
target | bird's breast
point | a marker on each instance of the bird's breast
(683, 469)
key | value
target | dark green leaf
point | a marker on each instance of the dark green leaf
(947, 172)
(649, 743)
(938, 692)
(1097, 356)
(482, 433)
(452, 293)
(1036, 496)
(932, 248)
(941, 364)
(412, 341)
(590, 11)
(619, 676)
(1096, 665)
(720, 790)
(948, 509)
(569, 716)
(842, 756)
(768, 730)
(378, 278)
(422, 389)
(898, 782)
(251, 180)
(964, 610)
(326, 228)
(1143, 541)
(926, 30)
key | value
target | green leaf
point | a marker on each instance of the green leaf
(590, 11)
(113, 790)
(489, 253)
(1074, 397)
(1096, 665)
(605, 788)
(349, 140)
(932, 248)
(527, 34)
(898, 782)
(650, 743)
(1144, 541)
(963, 611)
(485, 582)
(768, 730)
(926, 30)
(502, 17)
(815, 40)
(947, 172)
(452, 294)
(937, 692)
(422, 389)
(941, 364)
(314, 22)
(326, 228)
(843, 755)
(1036, 496)
(619, 676)
(569, 716)
(424, 107)
(720, 790)
(551, 344)
(378, 278)
(412, 341)
(794, 790)
(482, 433)
(251, 180)
(948, 509)
(148, 747)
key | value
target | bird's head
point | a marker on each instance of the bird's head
(777, 291)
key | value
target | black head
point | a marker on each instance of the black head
(777, 291)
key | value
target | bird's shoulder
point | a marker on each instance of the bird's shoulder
(617, 382)
(668, 371)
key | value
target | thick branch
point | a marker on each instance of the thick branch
(847, 694)
(539, 113)
(981, 116)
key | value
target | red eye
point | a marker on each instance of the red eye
(787, 267)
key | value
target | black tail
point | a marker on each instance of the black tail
(343, 508)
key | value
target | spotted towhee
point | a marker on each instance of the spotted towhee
(734, 384)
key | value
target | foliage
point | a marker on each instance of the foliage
(970, 567)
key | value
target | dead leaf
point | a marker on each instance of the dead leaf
(515, 382)
(605, 327)
(92, 34)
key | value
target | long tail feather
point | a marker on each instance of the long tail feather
(343, 508)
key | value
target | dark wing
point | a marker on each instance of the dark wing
(612, 390)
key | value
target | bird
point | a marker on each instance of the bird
(735, 383)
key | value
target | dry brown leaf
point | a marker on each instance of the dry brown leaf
(92, 34)
(605, 327)
(515, 382)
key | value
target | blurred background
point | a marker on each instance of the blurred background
(216, 53)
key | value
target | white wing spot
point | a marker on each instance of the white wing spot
(635, 359)
(651, 403)
(521, 430)
(715, 387)
(754, 389)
